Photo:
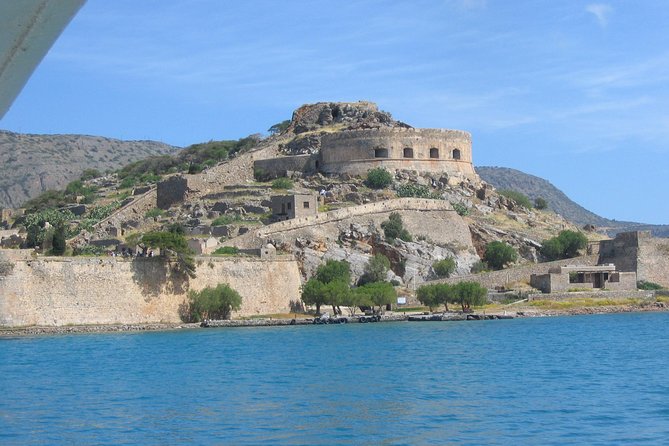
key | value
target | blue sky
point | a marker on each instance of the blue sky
(572, 91)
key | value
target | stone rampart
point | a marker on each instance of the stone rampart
(131, 211)
(653, 261)
(425, 150)
(280, 167)
(112, 290)
(521, 273)
(399, 204)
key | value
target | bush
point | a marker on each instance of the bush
(520, 198)
(444, 268)
(540, 203)
(214, 303)
(566, 245)
(393, 228)
(227, 251)
(282, 183)
(644, 285)
(89, 174)
(378, 178)
(279, 127)
(226, 219)
(497, 254)
(460, 208)
(153, 213)
(416, 190)
(479, 267)
(376, 270)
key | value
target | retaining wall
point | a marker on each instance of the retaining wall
(112, 290)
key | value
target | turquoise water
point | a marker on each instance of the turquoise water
(578, 380)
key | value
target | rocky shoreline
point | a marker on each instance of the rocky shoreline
(272, 322)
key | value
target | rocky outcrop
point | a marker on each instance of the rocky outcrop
(353, 115)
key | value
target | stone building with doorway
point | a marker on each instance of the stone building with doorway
(286, 207)
(583, 277)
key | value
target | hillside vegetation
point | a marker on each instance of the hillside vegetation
(33, 164)
(535, 187)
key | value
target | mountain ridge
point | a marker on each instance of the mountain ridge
(31, 164)
(535, 187)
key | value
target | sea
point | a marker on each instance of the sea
(586, 380)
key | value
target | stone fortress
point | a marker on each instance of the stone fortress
(379, 142)
(423, 150)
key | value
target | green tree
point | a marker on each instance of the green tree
(279, 127)
(214, 303)
(38, 223)
(313, 293)
(336, 293)
(427, 295)
(334, 270)
(379, 294)
(498, 254)
(444, 267)
(518, 197)
(282, 183)
(58, 245)
(572, 242)
(552, 249)
(378, 178)
(376, 270)
(469, 294)
(566, 245)
(172, 245)
(393, 228)
(540, 203)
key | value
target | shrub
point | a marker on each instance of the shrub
(89, 174)
(378, 178)
(564, 246)
(226, 219)
(416, 190)
(460, 208)
(227, 251)
(644, 285)
(497, 254)
(394, 228)
(6, 268)
(279, 127)
(282, 183)
(518, 197)
(375, 270)
(214, 303)
(155, 212)
(444, 268)
(540, 203)
(479, 267)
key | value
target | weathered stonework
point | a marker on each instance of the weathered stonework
(424, 150)
(639, 252)
(110, 290)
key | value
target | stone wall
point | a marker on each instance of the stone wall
(425, 150)
(521, 273)
(638, 252)
(171, 191)
(111, 290)
(281, 167)
(653, 261)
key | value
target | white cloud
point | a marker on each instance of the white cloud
(601, 11)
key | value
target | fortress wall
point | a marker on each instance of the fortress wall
(112, 290)
(653, 260)
(399, 204)
(520, 273)
(278, 167)
(353, 151)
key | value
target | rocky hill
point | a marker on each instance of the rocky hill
(534, 187)
(32, 164)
